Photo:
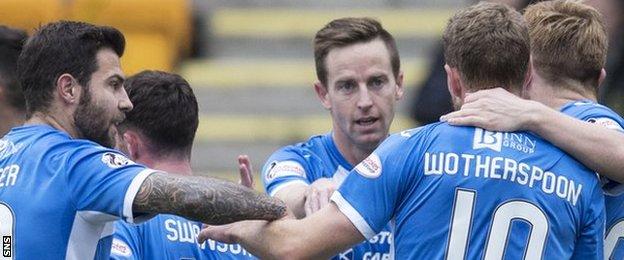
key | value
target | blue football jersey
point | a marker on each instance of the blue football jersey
(309, 161)
(169, 237)
(59, 196)
(614, 200)
(467, 193)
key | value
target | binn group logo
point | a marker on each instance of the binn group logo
(487, 139)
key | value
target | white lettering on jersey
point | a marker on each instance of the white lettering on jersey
(114, 160)
(503, 169)
(186, 232)
(283, 169)
(8, 148)
(606, 122)
(120, 248)
(369, 167)
(8, 175)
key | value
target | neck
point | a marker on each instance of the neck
(353, 153)
(60, 121)
(174, 166)
(557, 96)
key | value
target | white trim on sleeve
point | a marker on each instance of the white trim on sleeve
(353, 215)
(132, 191)
(286, 184)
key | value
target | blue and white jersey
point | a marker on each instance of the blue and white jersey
(59, 196)
(614, 200)
(169, 237)
(309, 161)
(467, 193)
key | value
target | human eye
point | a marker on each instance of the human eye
(346, 87)
(378, 82)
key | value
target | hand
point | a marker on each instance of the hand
(246, 171)
(318, 194)
(495, 110)
(228, 233)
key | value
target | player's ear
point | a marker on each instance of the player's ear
(601, 78)
(399, 83)
(68, 89)
(528, 80)
(452, 80)
(322, 93)
(132, 144)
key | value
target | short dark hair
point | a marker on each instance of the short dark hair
(165, 111)
(58, 48)
(489, 44)
(11, 42)
(347, 31)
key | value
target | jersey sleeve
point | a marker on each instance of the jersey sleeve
(590, 243)
(285, 167)
(374, 188)
(103, 182)
(126, 243)
(605, 117)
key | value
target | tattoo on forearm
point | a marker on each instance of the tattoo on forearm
(209, 200)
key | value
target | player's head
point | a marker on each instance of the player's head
(11, 97)
(72, 70)
(568, 44)
(164, 119)
(486, 46)
(359, 79)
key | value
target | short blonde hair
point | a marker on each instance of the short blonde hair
(489, 44)
(568, 41)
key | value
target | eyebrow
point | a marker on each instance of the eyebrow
(117, 77)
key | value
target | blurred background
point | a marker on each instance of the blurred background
(250, 62)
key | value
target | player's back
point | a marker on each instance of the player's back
(50, 204)
(169, 237)
(494, 194)
(466, 193)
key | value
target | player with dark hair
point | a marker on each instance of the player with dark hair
(455, 192)
(359, 82)
(12, 106)
(61, 188)
(569, 51)
(158, 133)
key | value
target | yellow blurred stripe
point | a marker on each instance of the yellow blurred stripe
(284, 22)
(271, 128)
(241, 73)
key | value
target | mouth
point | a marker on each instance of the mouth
(366, 121)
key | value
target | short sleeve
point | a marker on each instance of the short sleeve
(285, 167)
(373, 190)
(103, 182)
(126, 242)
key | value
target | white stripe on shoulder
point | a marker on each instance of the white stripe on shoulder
(286, 184)
(132, 191)
(358, 221)
(87, 229)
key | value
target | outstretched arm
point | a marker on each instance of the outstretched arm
(208, 200)
(599, 148)
(318, 236)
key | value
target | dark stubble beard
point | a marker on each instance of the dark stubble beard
(91, 123)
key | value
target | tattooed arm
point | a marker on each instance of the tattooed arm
(208, 200)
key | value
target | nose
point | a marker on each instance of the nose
(365, 100)
(125, 104)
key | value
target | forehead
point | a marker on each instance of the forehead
(108, 64)
(360, 59)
